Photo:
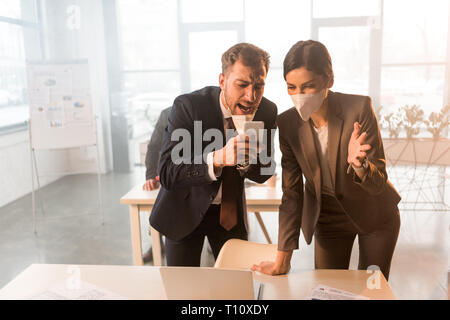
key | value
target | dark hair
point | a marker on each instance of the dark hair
(312, 55)
(249, 54)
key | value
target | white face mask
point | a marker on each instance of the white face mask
(308, 103)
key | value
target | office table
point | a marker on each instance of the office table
(144, 282)
(260, 198)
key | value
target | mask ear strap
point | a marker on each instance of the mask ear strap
(330, 83)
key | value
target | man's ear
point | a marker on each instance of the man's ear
(221, 81)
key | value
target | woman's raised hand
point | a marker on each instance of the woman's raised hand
(356, 147)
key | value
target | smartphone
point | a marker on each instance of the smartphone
(254, 128)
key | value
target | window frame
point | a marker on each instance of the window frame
(376, 63)
(375, 45)
(445, 63)
(38, 27)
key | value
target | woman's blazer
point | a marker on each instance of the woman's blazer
(368, 203)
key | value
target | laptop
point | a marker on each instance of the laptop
(194, 283)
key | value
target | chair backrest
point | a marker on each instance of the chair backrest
(240, 254)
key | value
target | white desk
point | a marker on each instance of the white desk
(144, 283)
(259, 198)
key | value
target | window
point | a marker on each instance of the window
(345, 8)
(351, 31)
(275, 27)
(150, 74)
(350, 61)
(19, 42)
(201, 11)
(201, 56)
(207, 29)
(19, 9)
(395, 51)
(148, 38)
(414, 54)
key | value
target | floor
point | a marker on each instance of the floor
(70, 231)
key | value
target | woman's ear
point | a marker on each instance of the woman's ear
(330, 83)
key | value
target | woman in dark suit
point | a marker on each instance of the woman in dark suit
(333, 141)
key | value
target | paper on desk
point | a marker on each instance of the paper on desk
(86, 291)
(323, 292)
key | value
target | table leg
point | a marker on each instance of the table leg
(263, 227)
(135, 225)
(156, 247)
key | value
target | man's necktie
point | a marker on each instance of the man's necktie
(230, 186)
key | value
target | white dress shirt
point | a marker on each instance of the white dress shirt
(321, 142)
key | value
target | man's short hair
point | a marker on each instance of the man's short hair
(249, 54)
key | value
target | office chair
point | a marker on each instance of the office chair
(240, 254)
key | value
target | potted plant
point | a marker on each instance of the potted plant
(412, 118)
(438, 123)
(393, 122)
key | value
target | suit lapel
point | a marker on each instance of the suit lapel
(218, 115)
(335, 123)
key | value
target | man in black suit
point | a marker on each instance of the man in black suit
(202, 187)
(153, 149)
(152, 162)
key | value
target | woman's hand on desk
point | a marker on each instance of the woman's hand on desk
(267, 267)
(281, 265)
(151, 184)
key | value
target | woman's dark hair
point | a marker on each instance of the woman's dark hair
(312, 55)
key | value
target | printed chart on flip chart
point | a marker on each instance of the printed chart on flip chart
(61, 110)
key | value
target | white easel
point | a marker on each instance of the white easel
(61, 115)
(34, 171)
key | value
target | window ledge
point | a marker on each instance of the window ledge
(14, 134)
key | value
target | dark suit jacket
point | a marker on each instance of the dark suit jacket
(154, 145)
(368, 203)
(186, 189)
